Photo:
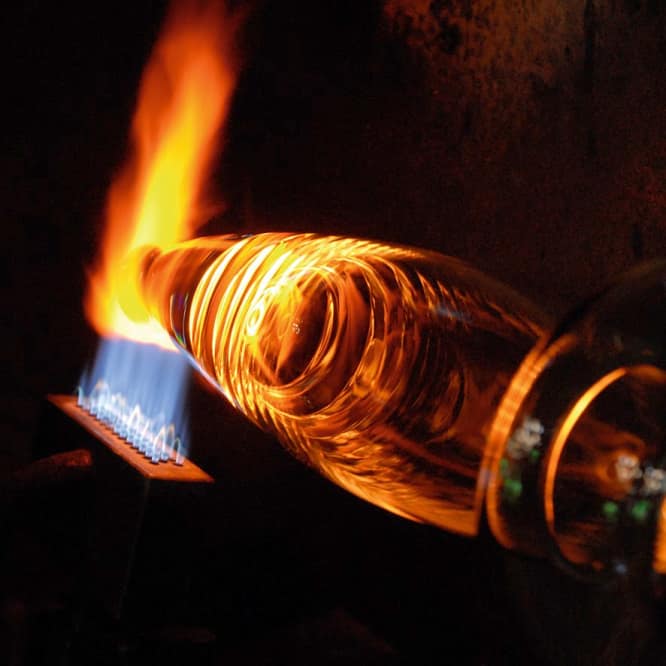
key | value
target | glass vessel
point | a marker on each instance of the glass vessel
(381, 366)
(576, 454)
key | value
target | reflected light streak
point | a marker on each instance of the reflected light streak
(504, 423)
(562, 436)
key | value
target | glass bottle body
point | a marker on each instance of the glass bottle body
(381, 366)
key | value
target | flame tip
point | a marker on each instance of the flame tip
(157, 198)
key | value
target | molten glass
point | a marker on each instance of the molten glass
(381, 366)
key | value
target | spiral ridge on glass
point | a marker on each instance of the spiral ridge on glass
(381, 366)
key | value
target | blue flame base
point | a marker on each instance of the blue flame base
(140, 392)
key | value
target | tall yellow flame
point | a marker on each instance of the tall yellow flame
(183, 100)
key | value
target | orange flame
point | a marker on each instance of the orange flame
(183, 99)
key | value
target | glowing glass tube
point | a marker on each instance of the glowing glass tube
(381, 366)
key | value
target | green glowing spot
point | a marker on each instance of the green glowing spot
(641, 510)
(535, 454)
(512, 489)
(610, 511)
(504, 468)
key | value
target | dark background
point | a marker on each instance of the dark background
(527, 138)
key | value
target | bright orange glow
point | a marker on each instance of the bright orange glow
(362, 357)
(562, 437)
(157, 198)
(504, 423)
